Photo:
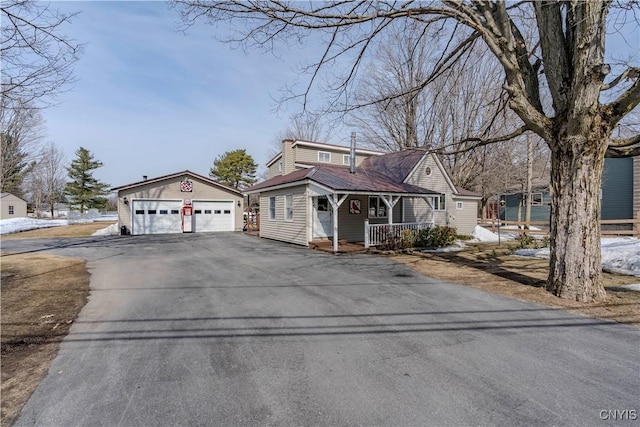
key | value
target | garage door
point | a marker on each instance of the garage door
(156, 216)
(213, 216)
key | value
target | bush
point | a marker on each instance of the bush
(525, 241)
(435, 237)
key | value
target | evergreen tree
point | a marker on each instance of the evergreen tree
(234, 168)
(84, 191)
(14, 165)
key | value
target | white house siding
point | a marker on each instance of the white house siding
(464, 220)
(169, 189)
(417, 210)
(278, 229)
(274, 169)
(306, 155)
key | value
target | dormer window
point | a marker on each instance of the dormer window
(280, 166)
(346, 159)
(324, 157)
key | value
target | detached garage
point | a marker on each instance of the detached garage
(183, 202)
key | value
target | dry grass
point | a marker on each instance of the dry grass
(493, 269)
(73, 230)
(41, 296)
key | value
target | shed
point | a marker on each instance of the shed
(12, 206)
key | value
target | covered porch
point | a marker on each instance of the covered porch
(362, 217)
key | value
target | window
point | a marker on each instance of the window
(377, 208)
(280, 166)
(439, 202)
(272, 207)
(139, 211)
(288, 207)
(151, 211)
(459, 206)
(536, 199)
(175, 211)
(163, 212)
(324, 157)
(217, 212)
(207, 211)
(227, 212)
(346, 159)
(11, 210)
(198, 211)
(427, 171)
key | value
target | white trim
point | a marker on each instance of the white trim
(321, 145)
(459, 206)
(304, 166)
(346, 159)
(465, 197)
(324, 161)
(290, 207)
(279, 187)
(275, 203)
(273, 160)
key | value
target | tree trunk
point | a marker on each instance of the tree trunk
(527, 214)
(575, 270)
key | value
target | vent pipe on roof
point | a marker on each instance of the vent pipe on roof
(144, 177)
(352, 153)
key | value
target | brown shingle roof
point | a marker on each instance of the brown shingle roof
(340, 178)
(397, 165)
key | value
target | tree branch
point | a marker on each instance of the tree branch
(629, 73)
(627, 147)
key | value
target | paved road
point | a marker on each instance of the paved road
(229, 329)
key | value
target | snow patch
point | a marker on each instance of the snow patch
(15, 225)
(111, 230)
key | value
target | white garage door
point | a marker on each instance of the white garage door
(213, 216)
(156, 216)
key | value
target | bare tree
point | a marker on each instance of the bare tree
(307, 127)
(37, 58)
(48, 177)
(21, 130)
(566, 57)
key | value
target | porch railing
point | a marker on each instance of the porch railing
(377, 234)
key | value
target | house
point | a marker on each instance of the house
(181, 202)
(343, 202)
(300, 154)
(619, 195)
(12, 206)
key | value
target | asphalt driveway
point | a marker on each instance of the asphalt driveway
(228, 329)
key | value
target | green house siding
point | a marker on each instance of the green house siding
(617, 189)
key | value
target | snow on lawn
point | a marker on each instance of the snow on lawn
(15, 225)
(111, 230)
(619, 254)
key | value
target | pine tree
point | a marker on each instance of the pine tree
(84, 191)
(234, 168)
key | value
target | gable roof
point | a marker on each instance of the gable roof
(397, 165)
(175, 175)
(3, 195)
(340, 178)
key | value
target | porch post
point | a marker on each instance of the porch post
(366, 233)
(390, 205)
(335, 204)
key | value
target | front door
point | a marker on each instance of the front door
(323, 223)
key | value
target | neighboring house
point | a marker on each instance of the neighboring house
(619, 196)
(339, 202)
(177, 203)
(12, 206)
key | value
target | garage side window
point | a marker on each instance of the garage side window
(272, 207)
(11, 210)
(288, 207)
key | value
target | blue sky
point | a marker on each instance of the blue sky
(151, 100)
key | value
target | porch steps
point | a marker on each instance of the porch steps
(326, 245)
